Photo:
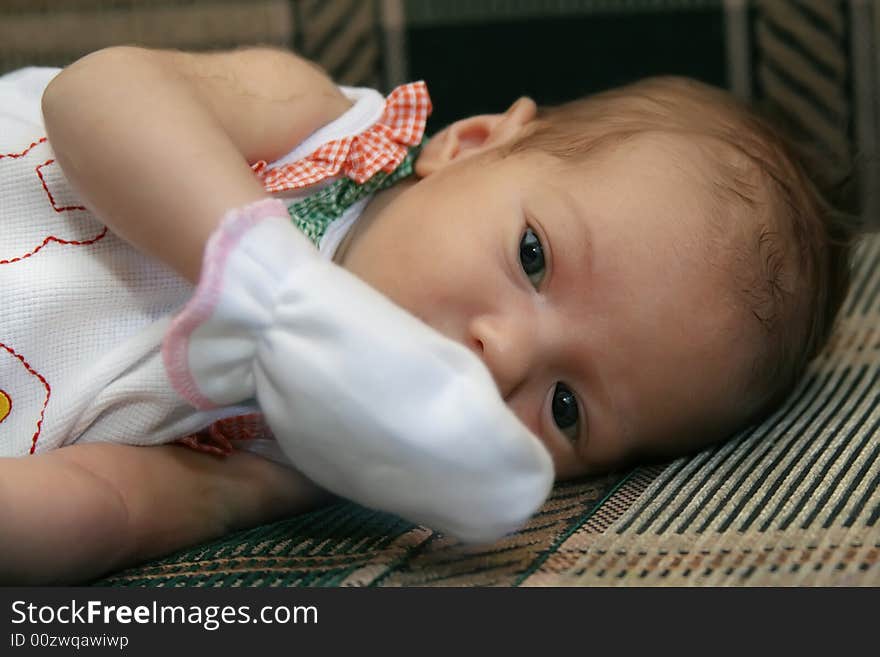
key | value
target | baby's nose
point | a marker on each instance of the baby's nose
(507, 347)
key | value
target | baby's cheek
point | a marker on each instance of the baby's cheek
(529, 413)
(566, 463)
(567, 468)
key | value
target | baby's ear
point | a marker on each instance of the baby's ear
(475, 134)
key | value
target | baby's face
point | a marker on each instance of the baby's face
(587, 290)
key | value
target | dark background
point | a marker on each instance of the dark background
(472, 69)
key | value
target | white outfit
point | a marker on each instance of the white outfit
(84, 313)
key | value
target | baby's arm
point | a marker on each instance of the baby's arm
(84, 510)
(157, 143)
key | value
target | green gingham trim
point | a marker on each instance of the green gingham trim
(313, 214)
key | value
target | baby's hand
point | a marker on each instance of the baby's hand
(364, 398)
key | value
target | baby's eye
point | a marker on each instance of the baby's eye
(566, 415)
(531, 256)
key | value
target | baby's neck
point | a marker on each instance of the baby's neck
(375, 206)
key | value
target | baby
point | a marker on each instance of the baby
(638, 273)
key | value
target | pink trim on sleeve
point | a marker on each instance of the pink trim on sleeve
(200, 307)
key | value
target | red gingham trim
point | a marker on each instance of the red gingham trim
(216, 439)
(381, 147)
(204, 442)
(200, 307)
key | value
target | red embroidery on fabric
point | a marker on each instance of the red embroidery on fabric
(25, 151)
(45, 385)
(381, 147)
(5, 405)
(67, 208)
(52, 238)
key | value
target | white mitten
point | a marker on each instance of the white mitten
(364, 398)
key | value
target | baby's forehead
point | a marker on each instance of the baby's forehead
(718, 174)
(696, 169)
(741, 245)
(701, 156)
(704, 159)
(712, 183)
(699, 174)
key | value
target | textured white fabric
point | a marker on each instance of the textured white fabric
(363, 397)
(81, 312)
(78, 340)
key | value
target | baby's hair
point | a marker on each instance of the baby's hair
(802, 245)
